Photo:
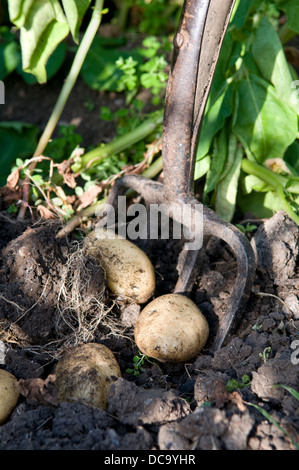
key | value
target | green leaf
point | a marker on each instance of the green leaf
(53, 65)
(17, 140)
(268, 53)
(218, 161)
(291, 158)
(241, 12)
(202, 167)
(261, 205)
(43, 26)
(264, 124)
(219, 108)
(10, 57)
(227, 189)
(75, 11)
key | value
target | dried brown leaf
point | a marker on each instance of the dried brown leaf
(13, 179)
(66, 171)
(45, 213)
(88, 197)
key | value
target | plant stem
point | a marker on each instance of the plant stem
(65, 92)
(95, 156)
(273, 180)
(89, 211)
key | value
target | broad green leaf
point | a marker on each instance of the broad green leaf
(10, 52)
(220, 101)
(218, 161)
(261, 205)
(219, 108)
(10, 57)
(250, 64)
(17, 140)
(75, 11)
(42, 26)
(264, 124)
(53, 65)
(268, 53)
(291, 158)
(18, 11)
(223, 62)
(227, 189)
(241, 12)
(202, 167)
(253, 183)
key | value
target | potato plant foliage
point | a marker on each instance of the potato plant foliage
(247, 156)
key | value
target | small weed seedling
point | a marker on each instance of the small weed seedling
(138, 363)
(266, 354)
(233, 384)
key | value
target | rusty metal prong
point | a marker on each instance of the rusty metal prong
(196, 50)
(190, 261)
(151, 191)
(246, 268)
(205, 223)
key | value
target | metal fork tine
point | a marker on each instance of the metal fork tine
(197, 46)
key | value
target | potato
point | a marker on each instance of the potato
(85, 374)
(130, 273)
(171, 328)
(9, 394)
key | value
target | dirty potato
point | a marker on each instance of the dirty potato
(9, 394)
(171, 328)
(85, 374)
(130, 273)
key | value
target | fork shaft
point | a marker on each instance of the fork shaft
(197, 46)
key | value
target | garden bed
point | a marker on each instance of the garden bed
(210, 402)
(162, 406)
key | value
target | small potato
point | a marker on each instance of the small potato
(85, 374)
(9, 394)
(129, 271)
(171, 328)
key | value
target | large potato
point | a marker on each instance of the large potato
(171, 328)
(129, 271)
(9, 394)
(85, 374)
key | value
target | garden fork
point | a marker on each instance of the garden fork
(197, 45)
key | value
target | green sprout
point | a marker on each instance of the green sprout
(233, 384)
(265, 355)
(138, 363)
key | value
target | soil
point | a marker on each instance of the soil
(45, 307)
(167, 406)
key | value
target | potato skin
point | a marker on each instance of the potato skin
(129, 271)
(85, 373)
(171, 328)
(9, 394)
